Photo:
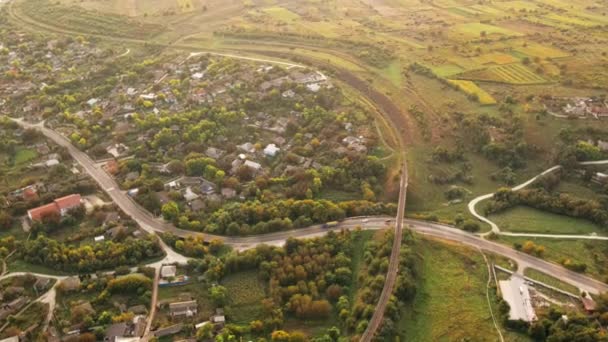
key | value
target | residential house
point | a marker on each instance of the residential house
(256, 167)
(117, 150)
(168, 271)
(228, 193)
(60, 206)
(187, 308)
(214, 153)
(171, 330)
(70, 284)
(190, 195)
(247, 147)
(42, 283)
(197, 205)
(271, 150)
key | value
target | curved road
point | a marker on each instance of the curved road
(495, 229)
(152, 225)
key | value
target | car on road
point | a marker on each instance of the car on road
(330, 224)
(365, 220)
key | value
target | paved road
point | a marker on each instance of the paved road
(152, 225)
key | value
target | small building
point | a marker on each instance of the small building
(116, 331)
(228, 193)
(588, 303)
(247, 147)
(171, 330)
(187, 308)
(271, 150)
(190, 195)
(70, 284)
(197, 205)
(168, 271)
(253, 165)
(42, 284)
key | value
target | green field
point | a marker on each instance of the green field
(246, 292)
(550, 280)
(447, 70)
(510, 73)
(24, 155)
(523, 219)
(451, 303)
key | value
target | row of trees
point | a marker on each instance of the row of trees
(255, 217)
(376, 260)
(88, 258)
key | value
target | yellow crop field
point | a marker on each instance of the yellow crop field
(496, 58)
(471, 88)
(281, 13)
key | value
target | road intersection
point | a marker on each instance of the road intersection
(154, 225)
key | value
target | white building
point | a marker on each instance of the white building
(271, 150)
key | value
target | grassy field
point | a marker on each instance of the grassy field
(246, 292)
(451, 303)
(22, 266)
(24, 155)
(471, 88)
(282, 14)
(523, 219)
(550, 280)
(90, 22)
(594, 254)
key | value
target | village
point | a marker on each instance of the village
(577, 107)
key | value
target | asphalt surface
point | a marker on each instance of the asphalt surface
(152, 224)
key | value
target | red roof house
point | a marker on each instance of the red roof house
(37, 214)
(59, 206)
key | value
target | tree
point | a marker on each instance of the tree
(170, 211)
(205, 332)
(6, 221)
(280, 336)
(219, 295)
(471, 226)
